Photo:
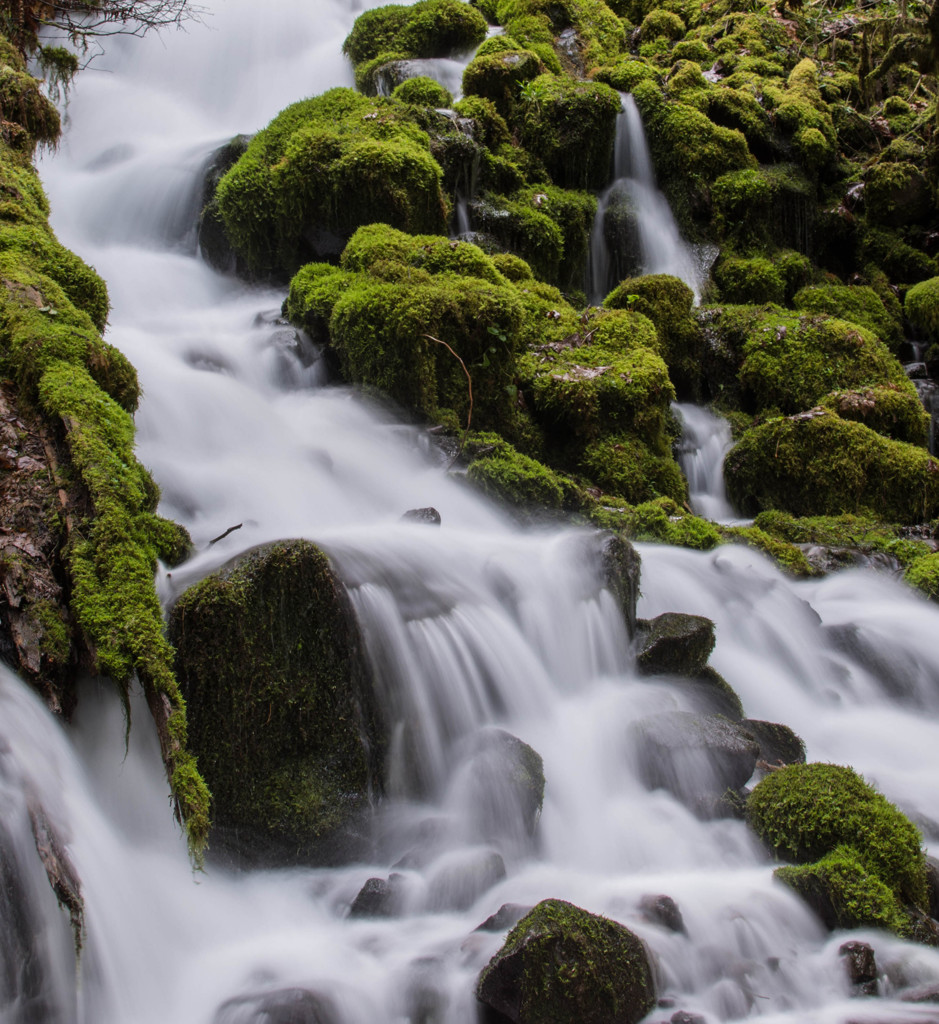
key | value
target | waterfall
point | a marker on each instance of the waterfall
(705, 441)
(471, 627)
(645, 238)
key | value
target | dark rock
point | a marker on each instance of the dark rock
(214, 245)
(684, 1017)
(565, 965)
(427, 515)
(379, 897)
(674, 644)
(778, 743)
(695, 757)
(710, 693)
(860, 966)
(280, 709)
(621, 569)
(286, 1006)
(500, 788)
(461, 879)
(932, 884)
(507, 916)
(663, 911)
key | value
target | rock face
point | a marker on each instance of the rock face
(674, 643)
(280, 714)
(621, 569)
(563, 965)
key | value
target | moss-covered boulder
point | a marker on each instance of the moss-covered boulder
(422, 92)
(923, 574)
(499, 77)
(563, 965)
(859, 304)
(621, 570)
(27, 114)
(280, 710)
(667, 301)
(921, 307)
(570, 126)
(320, 169)
(817, 463)
(628, 466)
(674, 643)
(891, 410)
(865, 864)
(896, 194)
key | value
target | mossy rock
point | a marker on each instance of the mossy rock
(627, 466)
(570, 126)
(422, 92)
(923, 574)
(803, 113)
(498, 77)
(896, 194)
(667, 302)
(322, 168)
(790, 559)
(621, 572)
(921, 308)
(859, 304)
(518, 481)
(864, 854)
(819, 464)
(779, 745)
(752, 280)
(765, 208)
(579, 34)
(626, 75)
(901, 262)
(28, 115)
(661, 519)
(891, 410)
(428, 28)
(674, 644)
(563, 965)
(280, 710)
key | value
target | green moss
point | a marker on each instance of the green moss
(661, 520)
(819, 464)
(570, 125)
(428, 28)
(422, 92)
(600, 36)
(624, 465)
(896, 194)
(498, 77)
(846, 894)
(516, 480)
(859, 304)
(693, 49)
(923, 574)
(805, 812)
(323, 167)
(568, 966)
(891, 410)
(626, 75)
(661, 24)
(763, 208)
(755, 280)
(921, 307)
(28, 116)
(900, 261)
(786, 555)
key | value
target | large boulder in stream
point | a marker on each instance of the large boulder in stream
(674, 644)
(280, 712)
(563, 965)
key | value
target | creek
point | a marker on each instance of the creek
(474, 625)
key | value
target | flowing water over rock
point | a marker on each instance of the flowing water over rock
(705, 441)
(470, 626)
(634, 231)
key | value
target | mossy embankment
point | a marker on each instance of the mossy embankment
(85, 594)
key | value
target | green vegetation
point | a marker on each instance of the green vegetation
(921, 306)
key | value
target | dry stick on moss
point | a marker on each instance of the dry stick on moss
(469, 387)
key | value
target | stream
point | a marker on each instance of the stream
(476, 625)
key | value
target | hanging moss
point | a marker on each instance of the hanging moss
(818, 463)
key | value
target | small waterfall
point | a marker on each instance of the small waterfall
(705, 441)
(646, 239)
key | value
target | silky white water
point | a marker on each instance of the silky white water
(473, 624)
(705, 441)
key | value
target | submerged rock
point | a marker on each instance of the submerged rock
(567, 966)
(663, 911)
(285, 1006)
(268, 655)
(778, 743)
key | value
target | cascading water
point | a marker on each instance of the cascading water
(470, 627)
(705, 441)
(646, 237)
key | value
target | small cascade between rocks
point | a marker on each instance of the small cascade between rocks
(705, 441)
(922, 373)
(634, 231)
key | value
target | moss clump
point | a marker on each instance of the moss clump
(787, 556)
(579, 34)
(422, 92)
(921, 307)
(625, 76)
(27, 116)
(626, 466)
(896, 194)
(498, 77)
(516, 480)
(802, 112)
(661, 24)
(755, 280)
(320, 169)
(817, 463)
(859, 304)
(428, 28)
(891, 410)
(562, 965)
(807, 813)
(924, 575)
(267, 654)
(661, 520)
(570, 125)
(899, 260)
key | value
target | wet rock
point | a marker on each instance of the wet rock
(860, 967)
(778, 743)
(565, 965)
(500, 788)
(897, 672)
(427, 515)
(285, 1006)
(932, 885)
(684, 1017)
(663, 911)
(460, 879)
(280, 708)
(214, 244)
(379, 897)
(709, 692)
(674, 644)
(507, 916)
(922, 994)
(695, 757)
(621, 569)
